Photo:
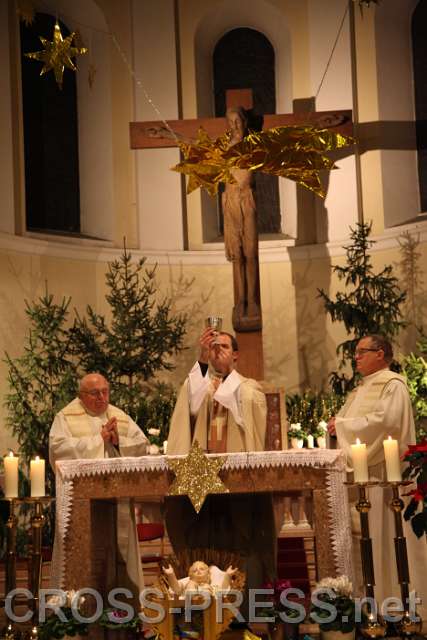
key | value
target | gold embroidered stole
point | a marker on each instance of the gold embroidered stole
(218, 417)
(78, 420)
(371, 394)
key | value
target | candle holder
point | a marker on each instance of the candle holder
(373, 625)
(34, 551)
(408, 626)
(10, 565)
(9, 632)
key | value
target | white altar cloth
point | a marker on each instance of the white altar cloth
(331, 460)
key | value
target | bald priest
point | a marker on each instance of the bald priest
(90, 427)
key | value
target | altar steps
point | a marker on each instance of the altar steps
(296, 562)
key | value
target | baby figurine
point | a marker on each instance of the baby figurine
(199, 579)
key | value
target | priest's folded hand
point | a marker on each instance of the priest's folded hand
(109, 432)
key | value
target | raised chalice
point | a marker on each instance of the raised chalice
(215, 323)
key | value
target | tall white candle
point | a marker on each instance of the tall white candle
(37, 477)
(310, 441)
(321, 442)
(359, 457)
(11, 476)
(165, 447)
(392, 460)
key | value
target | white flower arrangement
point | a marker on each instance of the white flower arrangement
(65, 599)
(296, 431)
(322, 426)
(337, 594)
(341, 585)
(153, 450)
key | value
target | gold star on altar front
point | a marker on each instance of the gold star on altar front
(57, 54)
(196, 476)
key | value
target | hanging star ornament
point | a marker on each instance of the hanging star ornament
(26, 12)
(296, 152)
(57, 54)
(196, 476)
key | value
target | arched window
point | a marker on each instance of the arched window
(244, 59)
(419, 50)
(52, 192)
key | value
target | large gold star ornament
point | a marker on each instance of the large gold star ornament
(196, 476)
(57, 54)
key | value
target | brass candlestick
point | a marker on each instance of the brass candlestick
(9, 632)
(35, 552)
(10, 578)
(373, 626)
(408, 625)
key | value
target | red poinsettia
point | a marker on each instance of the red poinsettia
(416, 510)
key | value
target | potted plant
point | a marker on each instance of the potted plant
(67, 627)
(283, 621)
(296, 435)
(338, 624)
(116, 620)
(416, 510)
(320, 434)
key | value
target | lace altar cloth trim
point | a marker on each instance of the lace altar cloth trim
(333, 460)
(69, 469)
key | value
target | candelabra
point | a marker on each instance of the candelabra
(409, 624)
(34, 555)
(10, 578)
(373, 625)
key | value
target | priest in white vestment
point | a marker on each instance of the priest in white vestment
(224, 412)
(90, 427)
(219, 408)
(379, 407)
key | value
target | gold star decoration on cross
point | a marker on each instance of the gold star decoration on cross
(196, 476)
(57, 54)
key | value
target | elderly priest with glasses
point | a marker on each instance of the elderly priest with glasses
(379, 407)
(90, 427)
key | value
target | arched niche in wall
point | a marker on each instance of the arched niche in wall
(52, 193)
(94, 115)
(244, 59)
(419, 50)
(396, 111)
(262, 17)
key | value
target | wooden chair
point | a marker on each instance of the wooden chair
(276, 435)
(149, 532)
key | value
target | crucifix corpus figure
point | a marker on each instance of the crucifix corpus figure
(293, 147)
(241, 233)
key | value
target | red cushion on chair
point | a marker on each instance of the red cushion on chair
(150, 531)
(151, 559)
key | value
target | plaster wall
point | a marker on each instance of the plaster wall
(386, 128)
(299, 339)
(160, 212)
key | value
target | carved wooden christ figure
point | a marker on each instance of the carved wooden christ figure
(238, 197)
(241, 234)
(240, 226)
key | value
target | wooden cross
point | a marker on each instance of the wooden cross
(251, 361)
(140, 138)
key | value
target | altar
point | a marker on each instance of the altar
(86, 491)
